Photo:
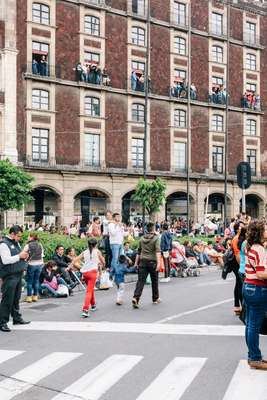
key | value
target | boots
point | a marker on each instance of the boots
(258, 365)
(28, 299)
(34, 298)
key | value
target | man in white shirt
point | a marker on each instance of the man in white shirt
(116, 236)
(107, 220)
(12, 265)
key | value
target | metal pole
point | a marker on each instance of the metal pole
(188, 144)
(227, 115)
(243, 200)
(146, 99)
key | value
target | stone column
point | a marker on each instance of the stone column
(67, 201)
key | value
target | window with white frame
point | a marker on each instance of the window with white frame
(217, 123)
(138, 65)
(92, 106)
(137, 153)
(251, 62)
(180, 45)
(91, 149)
(179, 10)
(40, 138)
(217, 80)
(217, 23)
(40, 99)
(40, 13)
(179, 73)
(138, 36)
(138, 112)
(251, 127)
(138, 7)
(92, 25)
(180, 118)
(180, 156)
(217, 54)
(251, 87)
(250, 33)
(217, 159)
(252, 160)
(92, 57)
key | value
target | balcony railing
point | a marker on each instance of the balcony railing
(179, 20)
(43, 71)
(180, 92)
(92, 75)
(250, 39)
(100, 3)
(217, 30)
(53, 163)
(137, 83)
(251, 102)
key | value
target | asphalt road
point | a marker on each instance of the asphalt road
(190, 347)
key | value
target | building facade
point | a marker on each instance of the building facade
(80, 96)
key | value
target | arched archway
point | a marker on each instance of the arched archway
(176, 206)
(215, 207)
(132, 210)
(254, 206)
(90, 203)
(44, 207)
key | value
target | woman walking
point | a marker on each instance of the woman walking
(35, 265)
(92, 260)
(255, 291)
(239, 238)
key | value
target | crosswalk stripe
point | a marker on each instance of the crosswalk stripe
(173, 381)
(247, 384)
(6, 355)
(29, 376)
(98, 381)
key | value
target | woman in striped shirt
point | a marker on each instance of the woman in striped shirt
(255, 291)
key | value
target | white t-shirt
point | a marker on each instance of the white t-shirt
(91, 260)
(116, 233)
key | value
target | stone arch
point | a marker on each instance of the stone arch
(255, 205)
(215, 207)
(89, 203)
(176, 205)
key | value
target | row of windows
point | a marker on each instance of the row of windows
(40, 152)
(40, 100)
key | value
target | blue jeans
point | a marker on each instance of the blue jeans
(116, 250)
(256, 302)
(53, 292)
(203, 259)
(32, 277)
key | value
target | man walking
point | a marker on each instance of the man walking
(148, 262)
(12, 265)
(116, 235)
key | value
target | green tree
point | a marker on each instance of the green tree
(150, 194)
(15, 186)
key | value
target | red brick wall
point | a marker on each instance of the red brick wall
(116, 50)
(116, 135)
(236, 24)
(21, 84)
(67, 38)
(2, 34)
(118, 4)
(235, 141)
(160, 60)
(200, 139)
(160, 135)
(160, 11)
(236, 75)
(200, 66)
(200, 14)
(67, 125)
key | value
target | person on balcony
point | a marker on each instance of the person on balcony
(35, 67)
(43, 66)
(133, 81)
(193, 92)
(79, 72)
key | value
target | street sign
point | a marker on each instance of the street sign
(243, 175)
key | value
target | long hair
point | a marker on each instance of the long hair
(92, 243)
(255, 233)
(242, 237)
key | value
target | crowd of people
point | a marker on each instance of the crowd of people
(218, 95)
(40, 67)
(90, 72)
(241, 249)
(180, 90)
(251, 100)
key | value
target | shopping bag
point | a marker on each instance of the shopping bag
(105, 282)
(62, 290)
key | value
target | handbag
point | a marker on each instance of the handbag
(229, 263)
(62, 290)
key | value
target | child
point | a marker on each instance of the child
(92, 259)
(118, 273)
(50, 279)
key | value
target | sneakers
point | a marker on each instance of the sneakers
(93, 308)
(85, 314)
(29, 299)
(135, 303)
(34, 298)
(119, 303)
(157, 301)
(258, 365)
(165, 280)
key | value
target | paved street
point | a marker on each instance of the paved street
(190, 347)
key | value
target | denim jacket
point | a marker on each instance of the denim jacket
(119, 271)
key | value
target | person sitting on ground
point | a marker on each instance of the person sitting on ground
(70, 259)
(218, 245)
(201, 255)
(189, 252)
(118, 273)
(50, 279)
(214, 256)
(130, 254)
(63, 267)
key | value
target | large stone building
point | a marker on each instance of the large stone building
(83, 140)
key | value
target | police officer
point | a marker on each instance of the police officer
(12, 265)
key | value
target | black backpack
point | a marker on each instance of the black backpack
(230, 263)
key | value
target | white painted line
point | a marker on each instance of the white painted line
(215, 283)
(207, 307)
(98, 381)
(29, 376)
(247, 384)
(121, 327)
(174, 379)
(6, 355)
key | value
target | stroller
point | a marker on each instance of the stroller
(180, 265)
